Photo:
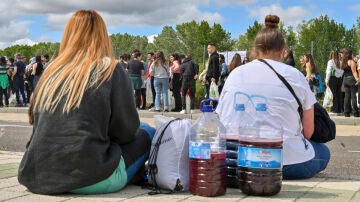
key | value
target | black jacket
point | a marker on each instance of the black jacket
(71, 151)
(213, 68)
(189, 68)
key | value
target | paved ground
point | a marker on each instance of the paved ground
(327, 186)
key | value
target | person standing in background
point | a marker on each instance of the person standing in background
(213, 71)
(189, 74)
(235, 62)
(143, 87)
(351, 81)
(18, 80)
(37, 70)
(150, 60)
(44, 60)
(135, 71)
(358, 85)
(174, 64)
(224, 72)
(4, 82)
(289, 57)
(311, 71)
(334, 80)
(160, 71)
(246, 60)
(10, 64)
(124, 61)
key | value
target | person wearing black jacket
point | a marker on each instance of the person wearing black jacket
(189, 74)
(87, 137)
(213, 72)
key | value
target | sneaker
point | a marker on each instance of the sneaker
(166, 110)
(183, 111)
(192, 111)
(157, 110)
(152, 109)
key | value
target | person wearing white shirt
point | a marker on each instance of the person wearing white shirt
(334, 80)
(302, 157)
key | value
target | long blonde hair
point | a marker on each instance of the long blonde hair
(85, 60)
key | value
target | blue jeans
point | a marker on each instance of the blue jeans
(19, 89)
(309, 168)
(161, 88)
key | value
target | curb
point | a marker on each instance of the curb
(339, 120)
(12, 153)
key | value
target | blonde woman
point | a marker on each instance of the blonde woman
(86, 137)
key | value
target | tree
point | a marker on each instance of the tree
(246, 41)
(31, 51)
(357, 37)
(321, 35)
(126, 43)
(196, 36)
(221, 38)
(187, 33)
(168, 41)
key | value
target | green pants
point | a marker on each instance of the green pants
(114, 183)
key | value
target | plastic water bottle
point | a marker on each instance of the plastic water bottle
(260, 154)
(207, 153)
(237, 119)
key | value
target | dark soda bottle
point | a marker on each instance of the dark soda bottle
(260, 169)
(233, 123)
(207, 163)
(231, 161)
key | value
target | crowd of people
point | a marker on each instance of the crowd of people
(158, 81)
(342, 78)
(85, 105)
(152, 80)
(19, 77)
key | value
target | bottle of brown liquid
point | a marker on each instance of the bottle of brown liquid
(260, 155)
(207, 166)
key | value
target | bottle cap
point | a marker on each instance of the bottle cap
(260, 107)
(239, 107)
(207, 108)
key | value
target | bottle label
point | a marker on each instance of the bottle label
(199, 150)
(264, 158)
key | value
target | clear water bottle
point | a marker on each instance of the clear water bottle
(237, 119)
(207, 153)
(260, 154)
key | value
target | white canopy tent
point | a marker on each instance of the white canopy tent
(230, 54)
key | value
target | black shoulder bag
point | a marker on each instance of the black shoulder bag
(324, 127)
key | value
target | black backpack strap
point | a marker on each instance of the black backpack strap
(153, 170)
(300, 110)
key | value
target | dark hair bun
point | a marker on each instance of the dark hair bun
(272, 21)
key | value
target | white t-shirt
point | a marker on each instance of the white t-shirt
(257, 78)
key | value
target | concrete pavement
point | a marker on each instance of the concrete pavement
(320, 188)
